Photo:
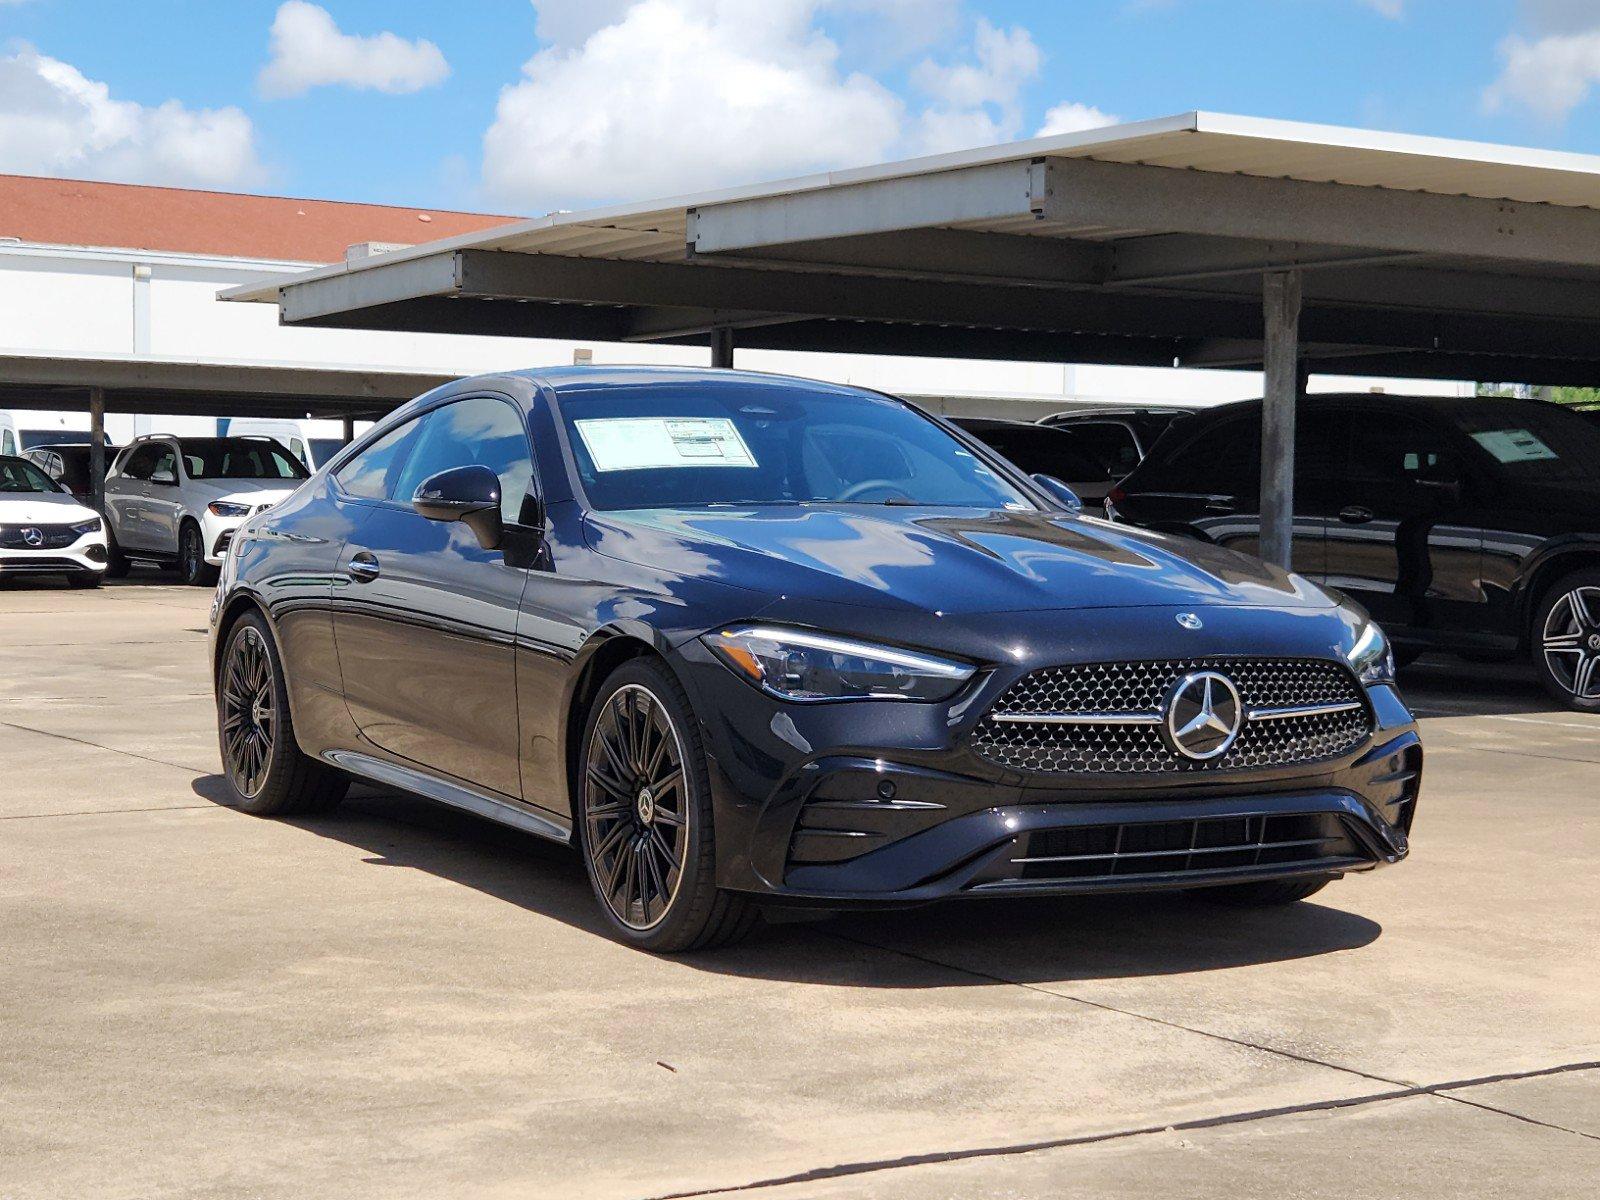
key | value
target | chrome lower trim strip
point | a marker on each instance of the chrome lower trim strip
(445, 792)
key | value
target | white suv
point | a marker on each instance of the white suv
(44, 531)
(178, 499)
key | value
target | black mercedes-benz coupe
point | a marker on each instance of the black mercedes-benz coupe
(748, 640)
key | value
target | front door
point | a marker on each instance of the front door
(1399, 539)
(426, 618)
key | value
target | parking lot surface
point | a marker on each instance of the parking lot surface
(397, 1000)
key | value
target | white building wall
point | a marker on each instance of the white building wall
(84, 302)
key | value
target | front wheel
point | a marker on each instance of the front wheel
(192, 565)
(645, 819)
(266, 771)
(1566, 641)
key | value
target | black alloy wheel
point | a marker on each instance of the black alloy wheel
(249, 712)
(1566, 641)
(266, 771)
(645, 818)
(192, 565)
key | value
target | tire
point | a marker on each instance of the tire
(1568, 617)
(91, 580)
(116, 561)
(639, 814)
(277, 778)
(192, 566)
(1404, 656)
(1269, 893)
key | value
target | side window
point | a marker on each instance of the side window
(298, 449)
(1225, 460)
(1402, 451)
(1320, 441)
(8, 442)
(481, 430)
(1111, 442)
(140, 462)
(371, 474)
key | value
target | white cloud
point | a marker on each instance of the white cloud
(654, 97)
(309, 50)
(1393, 9)
(55, 121)
(1549, 76)
(1072, 117)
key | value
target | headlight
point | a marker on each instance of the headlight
(1371, 657)
(796, 665)
(226, 508)
(92, 525)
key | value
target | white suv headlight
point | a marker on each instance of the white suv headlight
(227, 508)
(794, 664)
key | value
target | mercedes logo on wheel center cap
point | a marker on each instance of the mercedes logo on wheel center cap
(34, 537)
(1202, 716)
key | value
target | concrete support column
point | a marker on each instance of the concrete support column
(349, 430)
(1284, 383)
(97, 446)
(722, 347)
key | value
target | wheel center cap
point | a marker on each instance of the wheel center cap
(1594, 641)
(645, 806)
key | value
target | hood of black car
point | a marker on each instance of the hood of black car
(945, 560)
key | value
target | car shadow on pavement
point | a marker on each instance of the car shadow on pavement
(1443, 685)
(962, 944)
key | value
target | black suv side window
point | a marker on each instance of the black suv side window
(1401, 450)
(1222, 461)
(480, 430)
(371, 474)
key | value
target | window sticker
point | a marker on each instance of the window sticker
(1514, 445)
(651, 443)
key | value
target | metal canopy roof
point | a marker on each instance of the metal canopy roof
(1139, 244)
(204, 387)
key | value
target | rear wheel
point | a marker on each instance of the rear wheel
(266, 771)
(192, 565)
(1566, 641)
(645, 820)
(1269, 893)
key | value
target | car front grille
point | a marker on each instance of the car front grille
(56, 537)
(1107, 717)
(1270, 843)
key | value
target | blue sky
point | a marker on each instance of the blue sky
(522, 107)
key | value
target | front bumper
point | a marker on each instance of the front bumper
(867, 804)
(217, 533)
(85, 556)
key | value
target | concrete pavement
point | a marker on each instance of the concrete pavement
(397, 1000)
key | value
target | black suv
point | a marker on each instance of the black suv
(1462, 524)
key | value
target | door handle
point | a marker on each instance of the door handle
(363, 567)
(1355, 514)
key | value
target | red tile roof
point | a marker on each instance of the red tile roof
(77, 213)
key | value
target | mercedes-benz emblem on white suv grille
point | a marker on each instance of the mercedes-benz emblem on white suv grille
(1203, 715)
(34, 537)
(1189, 621)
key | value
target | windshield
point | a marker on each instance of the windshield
(1535, 443)
(740, 444)
(239, 458)
(52, 437)
(18, 475)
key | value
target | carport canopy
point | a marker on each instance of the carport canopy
(200, 387)
(1201, 240)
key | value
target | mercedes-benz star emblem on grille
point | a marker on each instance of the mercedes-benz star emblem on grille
(34, 537)
(1189, 621)
(1203, 715)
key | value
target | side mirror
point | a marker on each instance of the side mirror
(1059, 491)
(470, 495)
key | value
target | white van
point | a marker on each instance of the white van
(303, 438)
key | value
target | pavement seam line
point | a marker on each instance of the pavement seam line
(77, 741)
(845, 1170)
(114, 812)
